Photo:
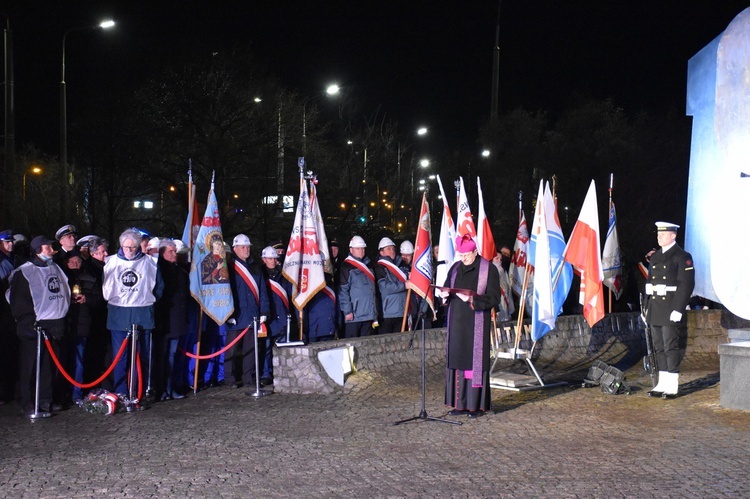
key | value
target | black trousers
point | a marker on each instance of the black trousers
(667, 342)
(239, 363)
(357, 329)
(27, 373)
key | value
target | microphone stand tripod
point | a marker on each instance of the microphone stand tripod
(423, 413)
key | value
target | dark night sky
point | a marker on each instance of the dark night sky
(424, 62)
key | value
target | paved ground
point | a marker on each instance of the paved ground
(565, 442)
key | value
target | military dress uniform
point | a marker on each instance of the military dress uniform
(670, 284)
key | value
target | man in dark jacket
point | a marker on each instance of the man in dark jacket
(250, 293)
(171, 321)
(392, 287)
(39, 296)
(279, 298)
(670, 283)
(86, 297)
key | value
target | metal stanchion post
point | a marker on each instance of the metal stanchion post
(149, 390)
(37, 413)
(258, 391)
(133, 389)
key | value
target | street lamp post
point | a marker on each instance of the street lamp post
(36, 170)
(64, 117)
(10, 119)
(331, 90)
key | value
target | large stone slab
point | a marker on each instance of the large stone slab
(735, 371)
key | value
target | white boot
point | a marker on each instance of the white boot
(673, 382)
(658, 390)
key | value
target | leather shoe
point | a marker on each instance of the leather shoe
(238, 384)
(456, 412)
(165, 396)
(476, 414)
(266, 381)
(177, 396)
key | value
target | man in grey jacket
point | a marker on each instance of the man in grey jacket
(392, 286)
(357, 298)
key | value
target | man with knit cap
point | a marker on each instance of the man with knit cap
(471, 289)
(671, 279)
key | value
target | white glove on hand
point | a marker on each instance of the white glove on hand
(441, 294)
(263, 319)
(675, 316)
(649, 288)
(463, 297)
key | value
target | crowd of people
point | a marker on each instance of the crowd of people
(87, 302)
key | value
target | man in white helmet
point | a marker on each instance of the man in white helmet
(280, 292)
(392, 286)
(357, 297)
(250, 293)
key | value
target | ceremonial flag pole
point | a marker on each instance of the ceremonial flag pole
(446, 242)
(305, 264)
(209, 272)
(485, 240)
(611, 257)
(464, 219)
(420, 276)
(584, 253)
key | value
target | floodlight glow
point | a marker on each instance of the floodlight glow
(109, 23)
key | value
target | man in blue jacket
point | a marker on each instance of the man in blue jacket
(250, 293)
(357, 298)
(392, 286)
(131, 284)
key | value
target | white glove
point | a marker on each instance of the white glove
(675, 316)
(649, 288)
(441, 294)
(463, 297)
(263, 319)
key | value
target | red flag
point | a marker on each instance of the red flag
(420, 276)
(584, 253)
(485, 241)
(464, 222)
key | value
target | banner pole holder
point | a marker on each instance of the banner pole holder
(289, 342)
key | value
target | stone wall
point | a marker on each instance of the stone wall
(618, 339)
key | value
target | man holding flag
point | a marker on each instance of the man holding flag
(392, 286)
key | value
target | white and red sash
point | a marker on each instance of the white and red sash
(360, 266)
(248, 278)
(329, 292)
(279, 291)
(394, 269)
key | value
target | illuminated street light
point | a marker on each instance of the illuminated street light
(64, 115)
(34, 170)
(332, 90)
(424, 163)
(422, 131)
(486, 153)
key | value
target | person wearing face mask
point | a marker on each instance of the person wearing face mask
(131, 285)
(467, 387)
(86, 296)
(38, 295)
